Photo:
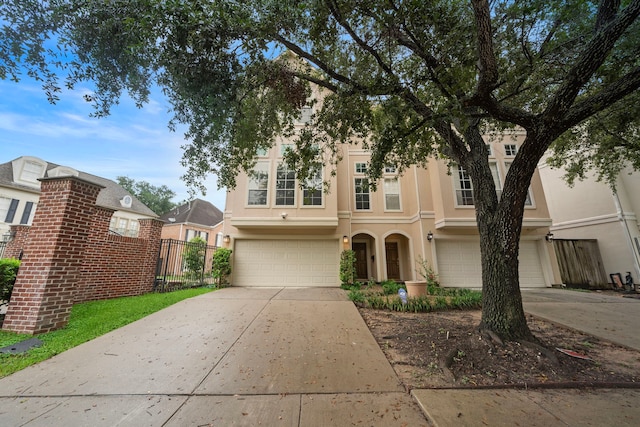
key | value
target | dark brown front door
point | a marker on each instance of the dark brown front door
(361, 260)
(393, 261)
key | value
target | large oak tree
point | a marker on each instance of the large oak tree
(415, 78)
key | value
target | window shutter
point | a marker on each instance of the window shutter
(13, 207)
(27, 213)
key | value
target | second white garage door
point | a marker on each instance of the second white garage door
(459, 264)
(286, 263)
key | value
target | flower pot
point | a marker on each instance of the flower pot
(416, 288)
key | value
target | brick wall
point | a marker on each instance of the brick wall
(69, 256)
(19, 240)
(45, 286)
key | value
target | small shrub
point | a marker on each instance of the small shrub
(194, 253)
(221, 268)
(8, 272)
(427, 273)
(348, 267)
(390, 287)
(356, 296)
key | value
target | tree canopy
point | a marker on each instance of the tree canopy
(158, 199)
(412, 78)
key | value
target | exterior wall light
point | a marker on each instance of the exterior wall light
(549, 237)
(429, 236)
(226, 239)
(345, 239)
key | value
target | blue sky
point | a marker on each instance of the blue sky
(131, 142)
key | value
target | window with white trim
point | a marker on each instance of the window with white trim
(258, 185)
(390, 169)
(361, 167)
(391, 194)
(285, 186)
(463, 187)
(27, 213)
(510, 150)
(284, 148)
(305, 115)
(312, 193)
(363, 201)
(5, 203)
(528, 201)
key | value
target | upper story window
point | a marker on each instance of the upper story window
(510, 150)
(489, 150)
(285, 186)
(258, 185)
(464, 189)
(284, 148)
(262, 152)
(361, 167)
(305, 115)
(312, 193)
(124, 226)
(391, 194)
(8, 208)
(390, 169)
(191, 234)
(27, 213)
(363, 201)
(32, 171)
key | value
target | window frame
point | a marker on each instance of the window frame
(290, 185)
(313, 185)
(462, 194)
(387, 194)
(261, 185)
(361, 183)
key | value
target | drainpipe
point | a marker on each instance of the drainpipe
(628, 237)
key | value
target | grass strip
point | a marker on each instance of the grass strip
(88, 320)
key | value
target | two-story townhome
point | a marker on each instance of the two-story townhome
(285, 235)
(196, 218)
(20, 192)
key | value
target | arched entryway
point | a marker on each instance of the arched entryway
(364, 247)
(397, 256)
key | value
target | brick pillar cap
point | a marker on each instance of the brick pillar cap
(70, 178)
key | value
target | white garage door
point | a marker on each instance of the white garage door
(286, 263)
(459, 264)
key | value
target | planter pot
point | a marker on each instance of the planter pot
(416, 288)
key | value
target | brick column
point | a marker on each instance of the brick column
(44, 290)
(150, 230)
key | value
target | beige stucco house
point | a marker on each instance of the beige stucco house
(590, 210)
(282, 235)
(20, 192)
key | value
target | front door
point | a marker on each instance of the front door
(393, 260)
(361, 260)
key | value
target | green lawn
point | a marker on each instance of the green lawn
(88, 320)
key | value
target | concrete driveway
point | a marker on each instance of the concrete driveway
(234, 357)
(607, 315)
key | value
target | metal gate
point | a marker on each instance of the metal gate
(183, 265)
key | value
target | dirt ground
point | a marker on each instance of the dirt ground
(444, 350)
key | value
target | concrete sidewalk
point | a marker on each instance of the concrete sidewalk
(610, 317)
(234, 357)
(292, 357)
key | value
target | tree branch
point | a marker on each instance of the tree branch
(605, 98)
(488, 69)
(595, 53)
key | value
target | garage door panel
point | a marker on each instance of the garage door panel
(286, 263)
(459, 264)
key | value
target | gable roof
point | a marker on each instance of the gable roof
(109, 196)
(196, 211)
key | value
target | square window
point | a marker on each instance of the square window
(361, 167)
(32, 171)
(510, 150)
(390, 169)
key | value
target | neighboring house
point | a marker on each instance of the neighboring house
(591, 210)
(282, 235)
(20, 192)
(196, 218)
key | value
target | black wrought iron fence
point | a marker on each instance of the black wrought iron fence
(183, 265)
(3, 246)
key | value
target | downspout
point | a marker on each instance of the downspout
(628, 237)
(422, 234)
